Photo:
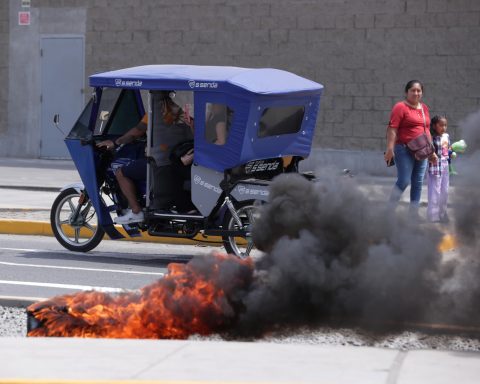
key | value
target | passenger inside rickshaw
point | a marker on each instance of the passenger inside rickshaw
(171, 148)
(217, 123)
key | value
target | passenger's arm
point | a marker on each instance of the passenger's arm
(187, 159)
(221, 132)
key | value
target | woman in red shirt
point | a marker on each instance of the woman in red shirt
(409, 118)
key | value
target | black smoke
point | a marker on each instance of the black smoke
(334, 253)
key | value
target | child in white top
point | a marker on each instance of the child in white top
(438, 175)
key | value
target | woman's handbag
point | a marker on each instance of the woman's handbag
(421, 146)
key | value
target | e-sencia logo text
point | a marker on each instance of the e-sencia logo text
(128, 83)
(198, 180)
(202, 84)
(242, 190)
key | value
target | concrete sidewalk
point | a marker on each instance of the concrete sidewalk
(37, 174)
(67, 360)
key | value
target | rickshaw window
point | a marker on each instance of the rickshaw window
(118, 112)
(125, 114)
(80, 129)
(280, 120)
(107, 102)
(218, 120)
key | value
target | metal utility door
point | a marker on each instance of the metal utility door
(62, 90)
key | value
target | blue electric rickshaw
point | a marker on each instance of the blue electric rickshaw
(270, 117)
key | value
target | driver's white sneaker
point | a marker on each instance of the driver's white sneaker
(130, 217)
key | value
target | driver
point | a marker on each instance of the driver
(135, 170)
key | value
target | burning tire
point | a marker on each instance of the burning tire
(247, 213)
(74, 221)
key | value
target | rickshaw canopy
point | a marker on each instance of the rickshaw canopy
(250, 93)
(265, 81)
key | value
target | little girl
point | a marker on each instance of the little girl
(438, 175)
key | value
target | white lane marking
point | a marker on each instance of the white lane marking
(22, 249)
(66, 286)
(82, 269)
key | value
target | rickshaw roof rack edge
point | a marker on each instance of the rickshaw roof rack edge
(263, 81)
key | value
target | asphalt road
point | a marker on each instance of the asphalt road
(39, 267)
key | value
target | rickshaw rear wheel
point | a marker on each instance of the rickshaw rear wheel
(247, 213)
(78, 233)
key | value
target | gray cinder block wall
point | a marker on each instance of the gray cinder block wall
(363, 51)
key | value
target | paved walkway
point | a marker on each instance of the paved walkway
(28, 188)
(37, 174)
(171, 361)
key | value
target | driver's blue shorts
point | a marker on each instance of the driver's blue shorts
(136, 169)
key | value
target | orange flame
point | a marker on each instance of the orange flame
(193, 298)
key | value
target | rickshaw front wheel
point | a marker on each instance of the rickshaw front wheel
(74, 221)
(246, 214)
